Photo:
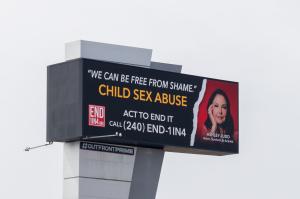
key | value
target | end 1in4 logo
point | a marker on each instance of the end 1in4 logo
(96, 115)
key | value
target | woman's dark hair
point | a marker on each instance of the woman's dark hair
(228, 123)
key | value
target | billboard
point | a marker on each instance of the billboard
(89, 99)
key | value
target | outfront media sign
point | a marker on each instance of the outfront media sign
(122, 104)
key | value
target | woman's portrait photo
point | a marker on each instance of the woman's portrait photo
(217, 115)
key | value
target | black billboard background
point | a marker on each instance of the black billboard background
(114, 108)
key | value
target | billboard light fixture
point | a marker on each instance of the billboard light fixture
(102, 136)
(39, 146)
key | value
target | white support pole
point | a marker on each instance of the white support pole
(91, 174)
(108, 52)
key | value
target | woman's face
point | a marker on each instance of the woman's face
(219, 109)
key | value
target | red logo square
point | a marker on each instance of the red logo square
(96, 115)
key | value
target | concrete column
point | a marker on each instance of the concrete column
(146, 172)
(92, 174)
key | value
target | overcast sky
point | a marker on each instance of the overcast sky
(255, 42)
